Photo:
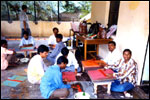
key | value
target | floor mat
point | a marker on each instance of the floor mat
(14, 81)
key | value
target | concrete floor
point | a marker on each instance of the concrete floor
(26, 90)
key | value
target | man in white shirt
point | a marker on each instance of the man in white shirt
(24, 21)
(26, 41)
(52, 39)
(72, 65)
(37, 67)
(114, 55)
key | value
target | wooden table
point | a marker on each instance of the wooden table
(26, 49)
(101, 77)
(90, 41)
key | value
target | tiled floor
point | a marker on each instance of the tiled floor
(26, 90)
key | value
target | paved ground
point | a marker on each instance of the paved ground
(26, 90)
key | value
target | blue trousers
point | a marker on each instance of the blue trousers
(71, 69)
(28, 30)
(117, 87)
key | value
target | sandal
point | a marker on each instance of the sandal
(128, 95)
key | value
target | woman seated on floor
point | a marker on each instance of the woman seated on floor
(37, 67)
(8, 57)
(126, 74)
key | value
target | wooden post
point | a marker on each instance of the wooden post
(85, 50)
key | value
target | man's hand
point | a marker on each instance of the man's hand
(73, 86)
(14, 52)
(25, 29)
(66, 80)
(106, 66)
(76, 72)
(52, 45)
(24, 23)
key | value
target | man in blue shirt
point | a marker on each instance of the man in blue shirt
(52, 56)
(52, 85)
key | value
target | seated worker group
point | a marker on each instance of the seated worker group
(36, 66)
(50, 78)
(125, 69)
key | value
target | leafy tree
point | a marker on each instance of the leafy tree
(45, 10)
(85, 8)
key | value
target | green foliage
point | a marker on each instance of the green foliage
(45, 10)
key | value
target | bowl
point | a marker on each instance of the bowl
(81, 95)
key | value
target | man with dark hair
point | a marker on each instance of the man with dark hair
(8, 57)
(52, 39)
(26, 41)
(24, 7)
(4, 43)
(24, 21)
(42, 48)
(127, 50)
(52, 85)
(112, 42)
(72, 65)
(37, 67)
(52, 56)
(65, 51)
(126, 74)
(113, 54)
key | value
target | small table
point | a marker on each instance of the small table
(90, 41)
(92, 64)
(101, 77)
(30, 49)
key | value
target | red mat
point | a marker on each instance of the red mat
(69, 76)
(101, 74)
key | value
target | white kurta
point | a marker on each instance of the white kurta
(52, 40)
(29, 41)
(23, 17)
(4, 62)
(113, 57)
(36, 69)
(71, 60)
